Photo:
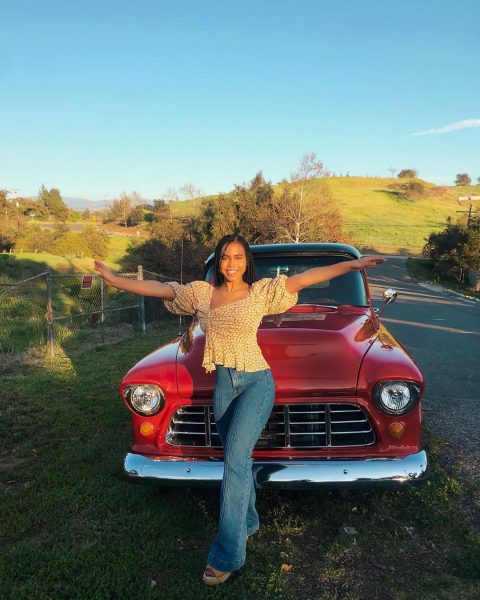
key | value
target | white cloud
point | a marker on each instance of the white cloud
(466, 123)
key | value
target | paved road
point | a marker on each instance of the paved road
(442, 332)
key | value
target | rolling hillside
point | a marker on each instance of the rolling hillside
(376, 217)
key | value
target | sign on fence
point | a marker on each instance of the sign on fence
(87, 282)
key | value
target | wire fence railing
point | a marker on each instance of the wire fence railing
(62, 312)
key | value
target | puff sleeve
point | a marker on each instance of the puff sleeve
(187, 298)
(276, 298)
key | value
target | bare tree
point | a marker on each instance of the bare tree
(190, 191)
(294, 220)
(4, 205)
(392, 171)
(309, 167)
(137, 199)
(301, 214)
(121, 209)
(171, 195)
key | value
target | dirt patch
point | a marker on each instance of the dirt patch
(16, 361)
(12, 463)
(350, 569)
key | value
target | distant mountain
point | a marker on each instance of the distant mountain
(83, 203)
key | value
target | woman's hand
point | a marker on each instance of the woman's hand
(297, 282)
(139, 287)
(104, 271)
(367, 262)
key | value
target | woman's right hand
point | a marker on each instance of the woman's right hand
(104, 271)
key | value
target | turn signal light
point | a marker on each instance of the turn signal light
(396, 430)
(146, 429)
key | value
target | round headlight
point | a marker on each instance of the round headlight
(396, 397)
(146, 399)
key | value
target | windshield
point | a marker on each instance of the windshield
(345, 289)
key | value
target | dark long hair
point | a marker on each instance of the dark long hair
(249, 275)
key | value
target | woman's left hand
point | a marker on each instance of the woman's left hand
(367, 262)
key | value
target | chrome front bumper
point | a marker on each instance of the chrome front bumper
(287, 474)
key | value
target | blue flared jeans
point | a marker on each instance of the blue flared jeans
(242, 403)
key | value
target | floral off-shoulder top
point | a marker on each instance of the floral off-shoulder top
(231, 329)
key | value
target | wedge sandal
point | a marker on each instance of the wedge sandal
(210, 578)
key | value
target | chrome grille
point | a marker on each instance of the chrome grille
(289, 426)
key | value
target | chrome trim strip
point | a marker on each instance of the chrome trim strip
(293, 474)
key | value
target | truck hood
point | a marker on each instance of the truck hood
(316, 353)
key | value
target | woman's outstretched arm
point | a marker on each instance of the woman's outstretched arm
(142, 288)
(297, 282)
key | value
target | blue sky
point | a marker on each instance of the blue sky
(102, 97)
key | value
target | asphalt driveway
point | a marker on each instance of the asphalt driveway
(442, 332)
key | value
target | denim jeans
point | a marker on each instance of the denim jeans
(242, 403)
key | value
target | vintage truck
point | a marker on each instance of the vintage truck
(348, 395)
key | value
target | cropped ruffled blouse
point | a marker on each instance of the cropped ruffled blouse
(231, 329)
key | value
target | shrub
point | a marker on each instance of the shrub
(404, 173)
(463, 179)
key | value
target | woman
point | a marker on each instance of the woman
(230, 312)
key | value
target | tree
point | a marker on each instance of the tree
(168, 231)
(34, 238)
(410, 190)
(7, 230)
(301, 212)
(52, 201)
(217, 217)
(296, 221)
(392, 171)
(254, 204)
(189, 191)
(158, 256)
(4, 206)
(135, 217)
(96, 242)
(121, 209)
(309, 167)
(463, 179)
(457, 247)
(160, 210)
(405, 173)
(171, 195)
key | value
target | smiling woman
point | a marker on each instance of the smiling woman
(234, 270)
(229, 310)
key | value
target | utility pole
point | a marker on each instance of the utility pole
(469, 199)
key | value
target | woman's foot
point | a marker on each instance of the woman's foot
(213, 577)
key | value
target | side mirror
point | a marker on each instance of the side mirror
(389, 296)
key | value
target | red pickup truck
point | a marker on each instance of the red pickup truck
(348, 395)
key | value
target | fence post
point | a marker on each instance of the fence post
(141, 304)
(102, 313)
(49, 316)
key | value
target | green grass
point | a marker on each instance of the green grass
(72, 527)
(421, 269)
(118, 245)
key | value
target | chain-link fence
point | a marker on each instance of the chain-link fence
(23, 314)
(57, 312)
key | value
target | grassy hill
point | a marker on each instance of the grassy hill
(377, 218)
